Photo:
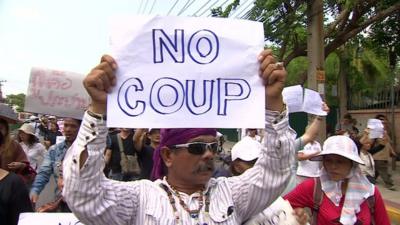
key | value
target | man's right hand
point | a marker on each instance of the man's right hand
(99, 82)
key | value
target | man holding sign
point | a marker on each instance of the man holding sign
(185, 193)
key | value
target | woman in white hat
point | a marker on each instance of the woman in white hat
(31, 145)
(342, 194)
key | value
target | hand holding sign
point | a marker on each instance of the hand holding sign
(274, 77)
(98, 83)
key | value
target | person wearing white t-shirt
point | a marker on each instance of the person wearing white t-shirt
(253, 134)
(308, 168)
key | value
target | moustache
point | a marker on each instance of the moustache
(207, 166)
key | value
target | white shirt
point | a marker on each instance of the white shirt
(369, 166)
(94, 199)
(308, 168)
(35, 154)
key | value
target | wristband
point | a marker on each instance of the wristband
(97, 115)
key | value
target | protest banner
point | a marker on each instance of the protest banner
(186, 72)
(48, 218)
(280, 212)
(376, 128)
(55, 92)
(303, 100)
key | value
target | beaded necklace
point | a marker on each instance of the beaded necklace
(194, 214)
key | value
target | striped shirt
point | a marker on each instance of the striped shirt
(97, 200)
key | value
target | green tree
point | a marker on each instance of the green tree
(17, 100)
(285, 22)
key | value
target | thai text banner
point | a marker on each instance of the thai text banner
(56, 92)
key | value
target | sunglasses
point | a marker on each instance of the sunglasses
(198, 148)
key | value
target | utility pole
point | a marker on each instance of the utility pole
(392, 64)
(316, 53)
(2, 100)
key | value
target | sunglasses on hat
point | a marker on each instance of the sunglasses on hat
(198, 148)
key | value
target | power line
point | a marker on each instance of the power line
(194, 14)
(245, 9)
(172, 7)
(219, 6)
(184, 9)
(145, 6)
(140, 6)
(209, 8)
(240, 6)
(152, 7)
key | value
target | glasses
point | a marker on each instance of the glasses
(198, 148)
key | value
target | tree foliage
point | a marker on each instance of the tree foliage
(17, 100)
(285, 22)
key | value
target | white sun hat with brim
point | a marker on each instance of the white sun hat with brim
(28, 129)
(246, 149)
(339, 145)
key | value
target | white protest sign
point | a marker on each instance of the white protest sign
(60, 139)
(376, 128)
(186, 72)
(58, 93)
(312, 103)
(293, 97)
(309, 102)
(48, 218)
(279, 212)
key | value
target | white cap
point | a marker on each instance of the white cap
(339, 145)
(28, 129)
(246, 149)
(33, 117)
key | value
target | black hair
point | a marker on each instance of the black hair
(380, 117)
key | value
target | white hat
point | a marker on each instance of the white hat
(33, 117)
(28, 129)
(247, 149)
(339, 145)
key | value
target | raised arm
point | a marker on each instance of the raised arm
(90, 195)
(311, 132)
(138, 138)
(259, 186)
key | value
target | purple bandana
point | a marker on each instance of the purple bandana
(174, 137)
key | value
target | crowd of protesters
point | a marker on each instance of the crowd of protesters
(103, 175)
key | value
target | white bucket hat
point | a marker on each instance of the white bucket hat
(28, 129)
(339, 145)
(247, 149)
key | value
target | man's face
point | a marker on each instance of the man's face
(154, 136)
(252, 132)
(127, 130)
(384, 121)
(71, 128)
(191, 168)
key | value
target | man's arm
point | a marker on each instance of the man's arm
(259, 186)
(138, 139)
(43, 176)
(90, 195)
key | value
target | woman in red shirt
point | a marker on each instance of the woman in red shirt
(346, 193)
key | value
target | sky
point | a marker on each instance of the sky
(72, 35)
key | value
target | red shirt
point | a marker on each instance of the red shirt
(303, 196)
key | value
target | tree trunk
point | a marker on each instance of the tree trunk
(315, 53)
(342, 83)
